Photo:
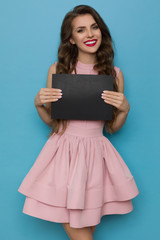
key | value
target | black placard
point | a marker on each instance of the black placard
(81, 97)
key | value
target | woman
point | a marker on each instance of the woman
(79, 176)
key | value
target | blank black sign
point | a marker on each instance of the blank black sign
(81, 97)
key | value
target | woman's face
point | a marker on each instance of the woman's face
(85, 28)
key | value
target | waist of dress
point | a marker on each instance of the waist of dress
(82, 131)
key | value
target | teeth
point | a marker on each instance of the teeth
(90, 42)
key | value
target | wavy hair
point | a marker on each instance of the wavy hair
(68, 53)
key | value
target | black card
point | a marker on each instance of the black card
(81, 98)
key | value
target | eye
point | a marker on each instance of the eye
(79, 30)
(95, 27)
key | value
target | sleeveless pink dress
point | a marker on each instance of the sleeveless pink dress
(78, 177)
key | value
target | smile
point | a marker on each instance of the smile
(90, 43)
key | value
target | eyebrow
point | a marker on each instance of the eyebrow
(84, 26)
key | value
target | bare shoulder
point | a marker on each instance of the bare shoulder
(120, 82)
(52, 70)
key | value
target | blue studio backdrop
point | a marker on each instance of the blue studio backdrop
(30, 36)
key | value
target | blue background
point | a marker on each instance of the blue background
(30, 35)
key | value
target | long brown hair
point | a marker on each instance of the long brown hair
(68, 53)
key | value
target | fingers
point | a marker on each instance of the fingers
(113, 98)
(50, 100)
(49, 95)
(113, 95)
(50, 91)
(113, 103)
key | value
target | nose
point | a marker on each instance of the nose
(90, 34)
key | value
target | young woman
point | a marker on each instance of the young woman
(79, 176)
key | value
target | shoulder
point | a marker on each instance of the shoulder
(52, 68)
(117, 69)
(120, 79)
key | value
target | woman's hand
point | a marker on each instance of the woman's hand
(47, 95)
(116, 99)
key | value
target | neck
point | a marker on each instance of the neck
(88, 59)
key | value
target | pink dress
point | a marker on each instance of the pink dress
(78, 177)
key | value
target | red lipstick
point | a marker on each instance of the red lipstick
(90, 43)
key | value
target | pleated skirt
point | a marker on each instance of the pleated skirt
(78, 178)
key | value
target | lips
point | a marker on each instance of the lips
(90, 40)
(90, 43)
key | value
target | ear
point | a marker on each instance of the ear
(72, 41)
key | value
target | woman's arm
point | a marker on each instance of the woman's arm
(119, 121)
(122, 115)
(118, 100)
(44, 115)
(42, 96)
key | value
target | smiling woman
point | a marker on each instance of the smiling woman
(86, 26)
(86, 33)
(79, 176)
